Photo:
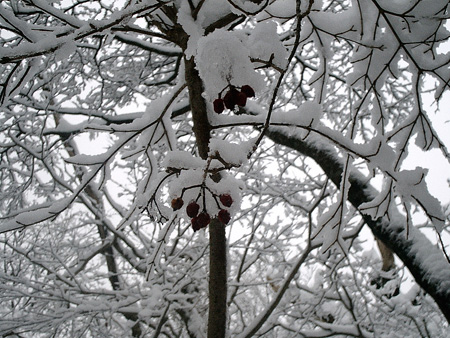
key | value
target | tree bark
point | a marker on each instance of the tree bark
(393, 235)
(201, 127)
(217, 317)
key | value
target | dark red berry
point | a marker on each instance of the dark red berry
(224, 216)
(195, 224)
(241, 99)
(203, 219)
(219, 106)
(226, 200)
(248, 91)
(230, 98)
(192, 209)
(177, 203)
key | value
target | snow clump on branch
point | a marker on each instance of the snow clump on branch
(223, 59)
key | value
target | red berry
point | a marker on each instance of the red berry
(195, 224)
(203, 219)
(224, 216)
(192, 209)
(230, 98)
(226, 200)
(241, 99)
(248, 91)
(219, 106)
(177, 203)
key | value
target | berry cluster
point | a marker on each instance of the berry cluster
(199, 219)
(233, 98)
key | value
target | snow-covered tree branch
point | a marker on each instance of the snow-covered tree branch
(212, 168)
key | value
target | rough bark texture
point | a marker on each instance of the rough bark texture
(217, 317)
(360, 192)
(201, 126)
(217, 320)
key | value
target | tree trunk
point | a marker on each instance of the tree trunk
(201, 126)
(217, 319)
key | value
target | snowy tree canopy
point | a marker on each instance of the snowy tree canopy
(212, 168)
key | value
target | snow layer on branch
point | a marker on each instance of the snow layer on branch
(212, 10)
(240, 7)
(411, 184)
(331, 225)
(264, 44)
(280, 9)
(329, 233)
(24, 76)
(425, 17)
(308, 115)
(182, 160)
(222, 60)
(428, 256)
(191, 27)
(36, 214)
(383, 155)
(231, 153)
(218, 120)
(342, 23)
(323, 28)
(83, 159)
(379, 205)
(66, 50)
(390, 34)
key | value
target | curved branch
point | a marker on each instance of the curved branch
(392, 232)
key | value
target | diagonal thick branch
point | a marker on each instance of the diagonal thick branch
(392, 232)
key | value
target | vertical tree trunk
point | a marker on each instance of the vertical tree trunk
(217, 319)
(201, 126)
